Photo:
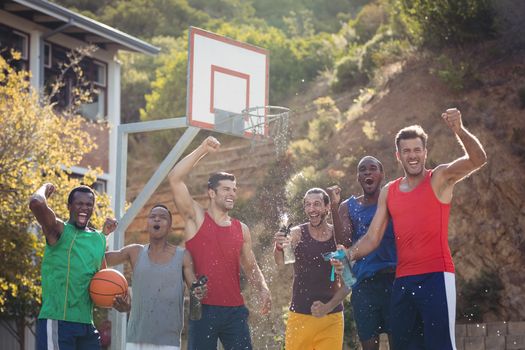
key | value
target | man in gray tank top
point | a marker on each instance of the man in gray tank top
(159, 272)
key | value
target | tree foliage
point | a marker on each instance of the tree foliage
(36, 146)
(445, 22)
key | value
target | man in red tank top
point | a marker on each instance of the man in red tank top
(220, 245)
(423, 297)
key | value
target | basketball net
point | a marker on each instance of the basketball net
(275, 118)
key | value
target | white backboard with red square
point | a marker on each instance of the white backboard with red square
(225, 78)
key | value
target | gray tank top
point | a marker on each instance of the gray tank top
(157, 301)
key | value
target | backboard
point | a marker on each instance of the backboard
(225, 78)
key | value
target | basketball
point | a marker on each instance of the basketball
(105, 285)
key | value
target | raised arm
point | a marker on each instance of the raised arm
(52, 227)
(445, 176)
(371, 240)
(125, 254)
(191, 212)
(253, 272)
(340, 218)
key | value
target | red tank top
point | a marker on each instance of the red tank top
(421, 229)
(216, 252)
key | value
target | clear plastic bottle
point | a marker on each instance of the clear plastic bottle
(195, 303)
(289, 255)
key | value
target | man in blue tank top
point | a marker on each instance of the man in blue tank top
(376, 272)
(160, 270)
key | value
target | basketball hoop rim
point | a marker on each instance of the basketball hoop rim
(270, 111)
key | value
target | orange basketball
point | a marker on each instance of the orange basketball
(105, 285)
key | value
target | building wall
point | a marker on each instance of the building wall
(105, 136)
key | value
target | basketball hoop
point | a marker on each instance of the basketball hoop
(257, 123)
(275, 119)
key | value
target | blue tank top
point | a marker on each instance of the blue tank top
(384, 256)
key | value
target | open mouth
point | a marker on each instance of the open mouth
(82, 218)
(156, 227)
(369, 181)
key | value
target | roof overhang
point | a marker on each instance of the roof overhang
(55, 17)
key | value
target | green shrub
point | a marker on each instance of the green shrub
(370, 18)
(382, 49)
(439, 23)
(389, 52)
(348, 73)
(457, 75)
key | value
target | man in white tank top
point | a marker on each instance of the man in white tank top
(159, 272)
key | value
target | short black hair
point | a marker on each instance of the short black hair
(326, 197)
(213, 181)
(373, 159)
(81, 188)
(158, 205)
(411, 132)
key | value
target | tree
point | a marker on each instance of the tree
(445, 22)
(36, 146)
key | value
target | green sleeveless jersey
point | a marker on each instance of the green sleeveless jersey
(67, 269)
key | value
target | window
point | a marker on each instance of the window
(11, 39)
(99, 185)
(100, 73)
(94, 73)
(47, 55)
(21, 44)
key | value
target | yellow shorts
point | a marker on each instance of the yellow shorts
(306, 332)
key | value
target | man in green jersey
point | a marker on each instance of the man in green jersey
(73, 254)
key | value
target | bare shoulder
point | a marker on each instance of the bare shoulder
(245, 229)
(246, 233)
(133, 249)
(383, 195)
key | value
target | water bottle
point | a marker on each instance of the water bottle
(289, 255)
(195, 304)
(348, 277)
